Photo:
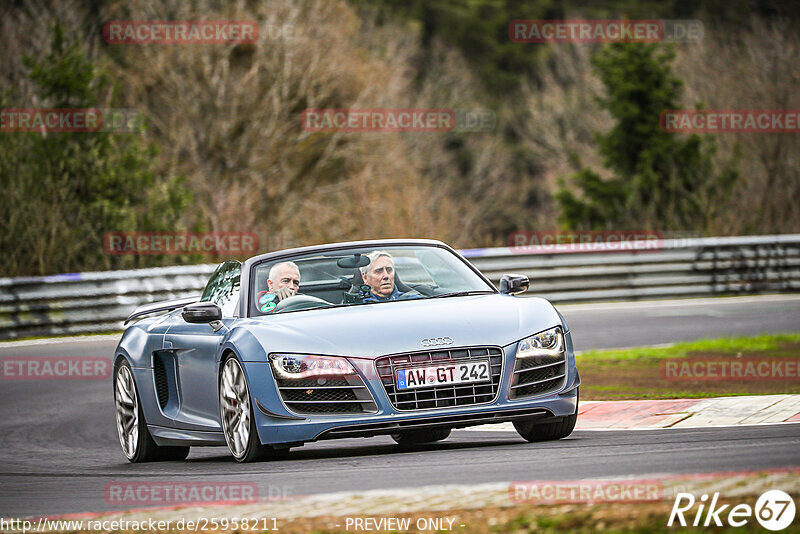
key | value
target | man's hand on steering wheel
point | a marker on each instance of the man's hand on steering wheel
(283, 293)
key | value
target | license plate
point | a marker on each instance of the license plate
(443, 375)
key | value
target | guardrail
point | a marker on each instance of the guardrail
(680, 268)
(100, 301)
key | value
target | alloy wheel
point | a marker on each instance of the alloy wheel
(127, 405)
(235, 408)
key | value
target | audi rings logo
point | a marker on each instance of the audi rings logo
(432, 341)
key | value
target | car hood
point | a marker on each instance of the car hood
(373, 330)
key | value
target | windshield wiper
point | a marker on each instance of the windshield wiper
(463, 293)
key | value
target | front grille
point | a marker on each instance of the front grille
(346, 394)
(162, 386)
(538, 375)
(440, 396)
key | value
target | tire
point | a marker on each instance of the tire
(533, 431)
(234, 402)
(134, 437)
(419, 437)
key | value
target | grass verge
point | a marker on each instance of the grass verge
(638, 518)
(638, 373)
(577, 518)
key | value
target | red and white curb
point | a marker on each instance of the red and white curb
(680, 413)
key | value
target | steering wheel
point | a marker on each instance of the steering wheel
(301, 302)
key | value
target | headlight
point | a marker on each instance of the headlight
(547, 343)
(304, 366)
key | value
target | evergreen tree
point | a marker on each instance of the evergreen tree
(660, 180)
(60, 192)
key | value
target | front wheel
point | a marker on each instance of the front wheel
(533, 431)
(137, 443)
(238, 419)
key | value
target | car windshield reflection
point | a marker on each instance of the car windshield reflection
(362, 276)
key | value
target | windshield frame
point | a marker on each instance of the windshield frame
(248, 306)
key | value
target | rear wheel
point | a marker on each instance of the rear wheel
(417, 437)
(238, 419)
(533, 431)
(134, 437)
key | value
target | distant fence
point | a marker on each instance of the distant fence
(100, 301)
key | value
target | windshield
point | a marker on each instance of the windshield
(361, 276)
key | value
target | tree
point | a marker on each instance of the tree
(479, 29)
(60, 192)
(660, 180)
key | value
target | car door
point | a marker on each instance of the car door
(195, 348)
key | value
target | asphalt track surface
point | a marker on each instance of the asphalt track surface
(59, 449)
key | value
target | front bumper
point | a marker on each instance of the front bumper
(277, 425)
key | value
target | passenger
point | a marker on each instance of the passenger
(379, 276)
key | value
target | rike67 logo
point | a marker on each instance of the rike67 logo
(774, 510)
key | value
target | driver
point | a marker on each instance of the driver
(283, 280)
(379, 276)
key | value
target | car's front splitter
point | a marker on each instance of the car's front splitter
(274, 427)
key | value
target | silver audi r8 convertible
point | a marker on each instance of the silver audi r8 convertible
(389, 337)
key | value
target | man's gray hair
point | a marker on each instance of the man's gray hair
(274, 268)
(374, 255)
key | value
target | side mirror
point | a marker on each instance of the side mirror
(514, 284)
(201, 312)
